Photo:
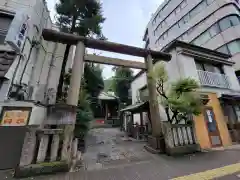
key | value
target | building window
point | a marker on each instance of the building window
(234, 47)
(230, 48)
(217, 28)
(205, 37)
(209, 67)
(5, 22)
(214, 30)
(234, 20)
(223, 49)
(225, 24)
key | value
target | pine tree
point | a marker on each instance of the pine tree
(82, 17)
(180, 99)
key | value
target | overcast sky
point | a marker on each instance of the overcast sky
(125, 23)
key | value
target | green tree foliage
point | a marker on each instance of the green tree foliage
(180, 99)
(84, 114)
(121, 83)
(94, 83)
(92, 76)
(82, 17)
(93, 79)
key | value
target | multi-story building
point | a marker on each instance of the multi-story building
(29, 75)
(220, 118)
(37, 66)
(213, 24)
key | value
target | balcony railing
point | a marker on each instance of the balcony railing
(213, 79)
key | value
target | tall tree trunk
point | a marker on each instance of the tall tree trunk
(65, 59)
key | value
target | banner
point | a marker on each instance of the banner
(15, 118)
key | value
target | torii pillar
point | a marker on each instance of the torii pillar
(73, 96)
(153, 100)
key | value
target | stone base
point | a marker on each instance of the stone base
(151, 150)
(157, 143)
(41, 169)
(180, 150)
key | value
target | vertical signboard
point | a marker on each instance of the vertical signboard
(17, 32)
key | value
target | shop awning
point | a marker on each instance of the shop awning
(135, 108)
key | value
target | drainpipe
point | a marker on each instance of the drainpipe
(25, 67)
(16, 69)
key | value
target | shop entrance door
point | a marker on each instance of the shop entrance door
(212, 127)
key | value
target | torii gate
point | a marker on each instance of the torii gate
(79, 58)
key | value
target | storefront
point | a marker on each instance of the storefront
(211, 127)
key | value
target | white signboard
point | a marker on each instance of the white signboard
(18, 30)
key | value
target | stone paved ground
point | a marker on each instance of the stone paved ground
(107, 148)
(110, 157)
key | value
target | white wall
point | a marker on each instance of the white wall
(137, 84)
(38, 115)
(232, 78)
(183, 66)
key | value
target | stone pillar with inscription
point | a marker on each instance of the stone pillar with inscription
(74, 148)
(28, 150)
(42, 151)
(54, 147)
